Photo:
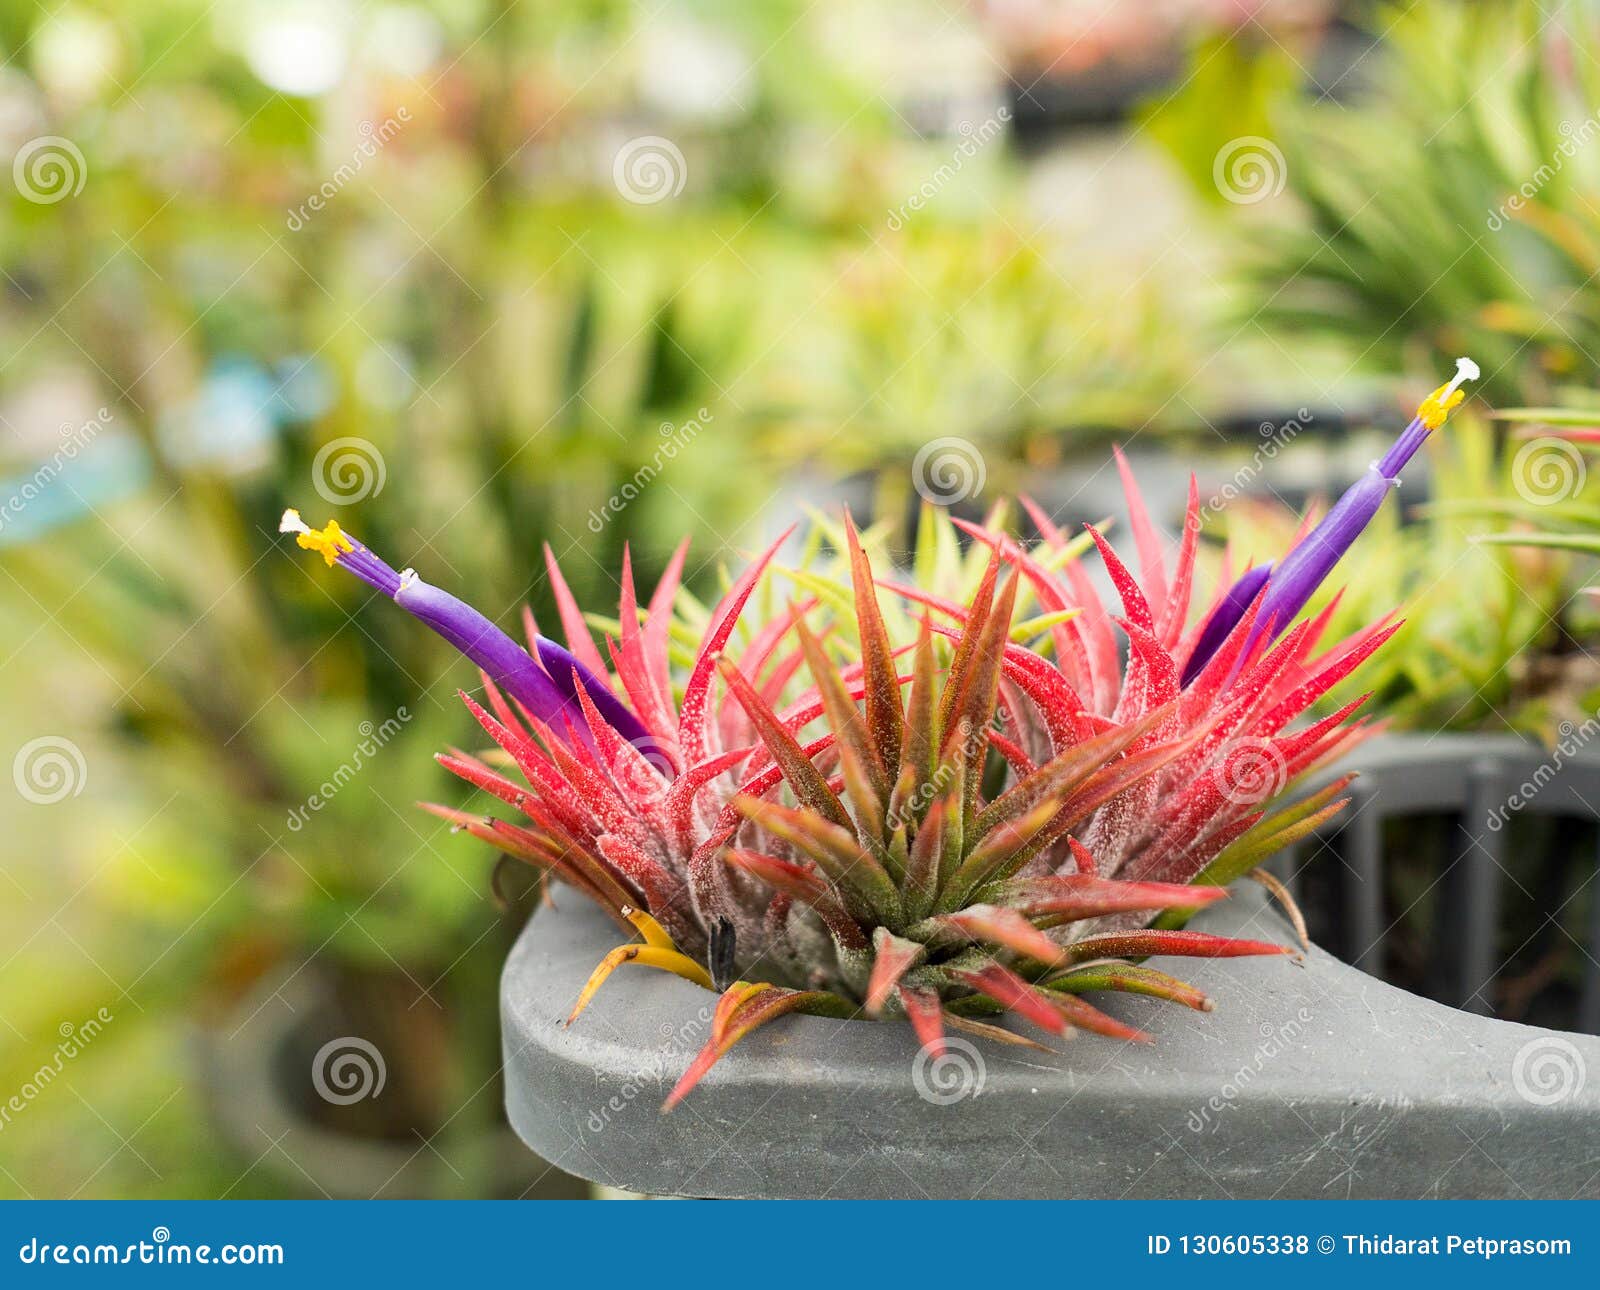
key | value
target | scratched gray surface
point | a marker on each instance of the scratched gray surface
(1309, 1080)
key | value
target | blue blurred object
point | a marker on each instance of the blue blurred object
(229, 423)
(73, 482)
(305, 388)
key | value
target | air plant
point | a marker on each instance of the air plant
(991, 831)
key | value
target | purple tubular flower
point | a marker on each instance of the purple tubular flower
(1298, 575)
(1224, 618)
(506, 662)
(549, 695)
(1302, 571)
(360, 560)
(1404, 448)
(561, 664)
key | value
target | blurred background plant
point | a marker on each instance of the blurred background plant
(1449, 210)
(1550, 512)
(477, 276)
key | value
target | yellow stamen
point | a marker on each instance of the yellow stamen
(1434, 409)
(330, 541)
(1437, 406)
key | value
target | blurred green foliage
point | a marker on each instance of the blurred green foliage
(1233, 85)
(1452, 208)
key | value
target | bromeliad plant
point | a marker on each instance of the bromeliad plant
(990, 831)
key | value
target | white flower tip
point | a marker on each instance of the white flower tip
(1466, 370)
(292, 523)
(1436, 408)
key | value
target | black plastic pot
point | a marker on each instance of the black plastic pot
(1311, 1079)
